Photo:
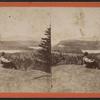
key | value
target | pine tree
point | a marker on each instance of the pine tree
(44, 54)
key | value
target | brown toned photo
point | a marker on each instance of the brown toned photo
(25, 42)
(76, 49)
(50, 49)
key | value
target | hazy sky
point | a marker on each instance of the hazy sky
(23, 23)
(75, 23)
(29, 23)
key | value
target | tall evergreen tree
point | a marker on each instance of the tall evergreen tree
(44, 54)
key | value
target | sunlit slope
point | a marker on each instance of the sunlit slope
(75, 78)
(23, 81)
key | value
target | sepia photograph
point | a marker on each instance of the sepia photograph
(50, 49)
(25, 42)
(76, 49)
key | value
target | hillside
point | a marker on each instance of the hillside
(23, 81)
(75, 78)
(75, 46)
(65, 78)
(6, 45)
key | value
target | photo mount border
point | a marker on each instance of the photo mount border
(52, 94)
(49, 4)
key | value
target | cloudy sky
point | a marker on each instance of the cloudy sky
(29, 23)
(23, 23)
(75, 23)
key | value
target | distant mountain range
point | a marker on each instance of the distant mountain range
(76, 46)
(6, 45)
(68, 46)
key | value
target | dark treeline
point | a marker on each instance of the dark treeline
(66, 59)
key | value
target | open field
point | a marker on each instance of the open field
(75, 78)
(65, 78)
(23, 81)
